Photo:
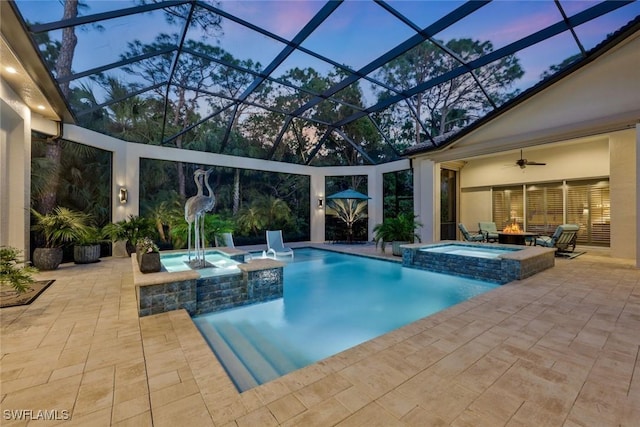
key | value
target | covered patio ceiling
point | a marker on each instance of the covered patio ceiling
(307, 82)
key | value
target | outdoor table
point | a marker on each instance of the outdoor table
(515, 238)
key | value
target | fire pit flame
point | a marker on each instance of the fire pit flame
(512, 228)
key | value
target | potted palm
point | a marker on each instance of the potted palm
(87, 246)
(60, 226)
(397, 230)
(130, 230)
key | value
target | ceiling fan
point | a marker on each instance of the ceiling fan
(523, 163)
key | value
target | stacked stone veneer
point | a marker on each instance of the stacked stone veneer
(257, 281)
(517, 265)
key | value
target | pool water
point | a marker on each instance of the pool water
(331, 302)
(473, 251)
(222, 264)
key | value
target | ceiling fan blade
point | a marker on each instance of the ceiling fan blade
(536, 163)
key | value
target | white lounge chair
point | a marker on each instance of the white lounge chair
(225, 240)
(275, 244)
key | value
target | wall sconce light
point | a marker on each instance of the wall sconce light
(123, 195)
(320, 203)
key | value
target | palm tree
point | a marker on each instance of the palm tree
(349, 211)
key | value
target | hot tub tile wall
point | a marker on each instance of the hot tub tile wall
(154, 299)
(496, 270)
(264, 285)
(209, 294)
(219, 293)
(492, 270)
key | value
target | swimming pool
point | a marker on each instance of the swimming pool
(331, 302)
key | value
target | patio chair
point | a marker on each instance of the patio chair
(489, 230)
(275, 244)
(469, 237)
(564, 237)
(225, 240)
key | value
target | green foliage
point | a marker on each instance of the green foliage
(14, 271)
(213, 225)
(91, 235)
(401, 229)
(60, 226)
(131, 229)
(265, 213)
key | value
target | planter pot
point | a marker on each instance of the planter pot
(85, 254)
(150, 262)
(47, 258)
(131, 248)
(395, 248)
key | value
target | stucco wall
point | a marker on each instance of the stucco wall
(622, 158)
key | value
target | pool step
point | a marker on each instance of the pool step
(270, 345)
(257, 347)
(243, 379)
(247, 352)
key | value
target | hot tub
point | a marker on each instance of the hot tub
(491, 262)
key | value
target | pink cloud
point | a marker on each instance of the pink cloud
(284, 18)
(524, 25)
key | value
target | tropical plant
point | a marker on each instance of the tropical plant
(401, 228)
(130, 229)
(60, 226)
(349, 211)
(91, 235)
(213, 225)
(14, 271)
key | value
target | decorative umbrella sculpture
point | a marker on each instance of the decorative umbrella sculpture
(349, 206)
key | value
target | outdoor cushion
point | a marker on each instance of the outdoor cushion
(489, 230)
(476, 237)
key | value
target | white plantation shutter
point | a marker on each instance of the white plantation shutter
(589, 205)
(508, 206)
(544, 208)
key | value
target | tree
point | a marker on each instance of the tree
(453, 103)
(561, 66)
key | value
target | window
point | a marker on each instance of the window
(508, 206)
(589, 205)
(544, 208)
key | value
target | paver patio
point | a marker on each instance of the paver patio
(559, 348)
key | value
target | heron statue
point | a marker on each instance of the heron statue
(194, 211)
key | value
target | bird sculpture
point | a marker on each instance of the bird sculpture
(190, 208)
(205, 204)
(195, 210)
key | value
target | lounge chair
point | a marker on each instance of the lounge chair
(564, 238)
(275, 244)
(469, 237)
(489, 230)
(225, 240)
